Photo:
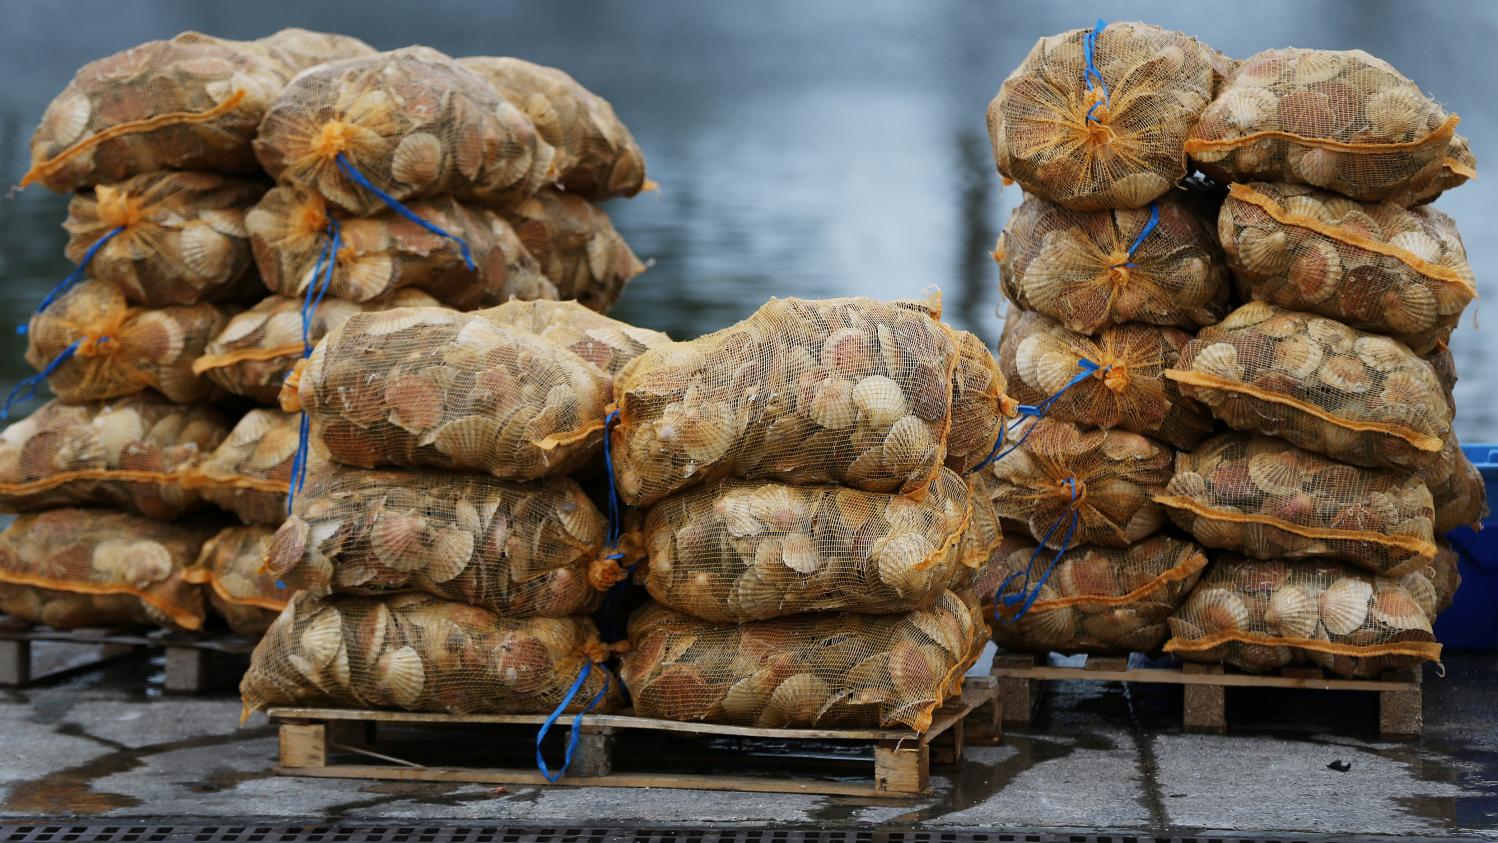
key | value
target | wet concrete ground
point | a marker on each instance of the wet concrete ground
(1100, 756)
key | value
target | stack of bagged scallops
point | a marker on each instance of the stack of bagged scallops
(1323, 501)
(811, 531)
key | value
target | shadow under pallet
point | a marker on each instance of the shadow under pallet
(186, 653)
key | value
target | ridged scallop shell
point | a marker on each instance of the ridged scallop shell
(417, 160)
(157, 337)
(277, 445)
(400, 677)
(450, 554)
(321, 638)
(1381, 354)
(1188, 484)
(1311, 66)
(1316, 272)
(880, 401)
(205, 251)
(796, 701)
(707, 435)
(799, 553)
(1397, 112)
(139, 564)
(1089, 575)
(399, 539)
(1292, 613)
(66, 119)
(1395, 608)
(387, 322)
(1344, 605)
(1247, 109)
(1314, 166)
(832, 404)
(897, 558)
(1418, 244)
(1219, 610)
(1138, 189)
(747, 697)
(1299, 357)
(907, 446)
(1054, 269)
(1262, 251)
(1345, 374)
(240, 327)
(1247, 316)
(1273, 474)
(1333, 335)
(367, 276)
(1305, 205)
(1047, 627)
(469, 440)
(1410, 308)
(1054, 370)
(1027, 355)
(1421, 590)
(1220, 360)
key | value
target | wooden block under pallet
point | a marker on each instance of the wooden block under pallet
(185, 660)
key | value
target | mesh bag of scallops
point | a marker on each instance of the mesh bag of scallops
(1340, 120)
(1115, 379)
(68, 568)
(230, 563)
(92, 345)
(1260, 615)
(259, 347)
(1374, 266)
(1457, 489)
(516, 549)
(1269, 500)
(596, 156)
(851, 391)
(606, 343)
(1094, 600)
(1357, 397)
(165, 238)
(744, 551)
(577, 246)
(421, 653)
(249, 473)
(1098, 118)
(131, 453)
(1159, 265)
(823, 670)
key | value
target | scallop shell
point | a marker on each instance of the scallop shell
(799, 553)
(418, 159)
(1262, 251)
(1311, 66)
(415, 402)
(1089, 575)
(747, 697)
(384, 323)
(898, 558)
(1381, 354)
(1410, 308)
(400, 677)
(796, 701)
(880, 401)
(1138, 189)
(1047, 627)
(156, 337)
(277, 445)
(1299, 357)
(66, 119)
(400, 540)
(1188, 484)
(367, 277)
(1054, 371)
(1314, 166)
(1220, 360)
(1335, 336)
(1292, 613)
(908, 446)
(469, 440)
(1316, 272)
(205, 251)
(848, 352)
(1305, 205)
(1219, 610)
(240, 327)
(139, 564)
(1397, 112)
(1418, 244)
(321, 638)
(1345, 374)
(708, 434)
(1273, 473)
(450, 554)
(1421, 590)
(1247, 316)
(1247, 109)
(1344, 605)
(832, 404)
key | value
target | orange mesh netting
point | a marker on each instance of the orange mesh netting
(743, 551)
(852, 391)
(249, 473)
(1340, 120)
(1356, 397)
(129, 453)
(1097, 118)
(258, 348)
(984, 530)
(1458, 166)
(289, 233)
(1457, 488)
(421, 653)
(825, 670)
(239, 592)
(518, 549)
(578, 248)
(979, 403)
(189, 103)
(300, 49)
(1376, 267)
(1263, 615)
(94, 345)
(606, 343)
(168, 237)
(412, 122)
(1096, 600)
(1444, 578)
(596, 155)
(1444, 364)
(1128, 390)
(1105, 478)
(1270, 500)
(423, 386)
(1091, 269)
(100, 554)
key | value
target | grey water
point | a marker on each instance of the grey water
(803, 148)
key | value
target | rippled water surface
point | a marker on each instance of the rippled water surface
(802, 148)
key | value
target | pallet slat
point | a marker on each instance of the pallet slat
(185, 652)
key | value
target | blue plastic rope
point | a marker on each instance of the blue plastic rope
(1149, 228)
(322, 278)
(608, 464)
(577, 722)
(1038, 412)
(26, 389)
(1090, 71)
(395, 205)
(75, 276)
(1027, 595)
(299, 462)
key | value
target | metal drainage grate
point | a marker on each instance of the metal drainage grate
(37, 832)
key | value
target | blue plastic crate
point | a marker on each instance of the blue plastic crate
(1472, 622)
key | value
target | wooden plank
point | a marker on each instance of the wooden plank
(1110, 663)
(1401, 713)
(1015, 689)
(1204, 707)
(947, 747)
(185, 670)
(15, 663)
(901, 770)
(594, 757)
(303, 745)
(1175, 677)
(532, 777)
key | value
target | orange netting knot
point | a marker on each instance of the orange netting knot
(596, 652)
(290, 396)
(1075, 491)
(998, 255)
(1118, 269)
(96, 346)
(334, 137)
(1008, 407)
(310, 217)
(604, 573)
(1114, 375)
(118, 209)
(1095, 118)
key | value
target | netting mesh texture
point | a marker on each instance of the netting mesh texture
(1263, 615)
(821, 670)
(742, 551)
(1376, 267)
(1341, 120)
(1270, 500)
(980, 404)
(249, 473)
(129, 453)
(517, 549)
(259, 347)
(421, 653)
(382, 252)
(173, 237)
(606, 343)
(1456, 487)
(1354, 396)
(577, 246)
(1128, 390)
(96, 567)
(1098, 119)
(413, 122)
(229, 564)
(1096, 600)
(1092, 269)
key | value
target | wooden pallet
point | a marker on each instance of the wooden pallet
(901, 759)
(186, 653)
(1204, 687)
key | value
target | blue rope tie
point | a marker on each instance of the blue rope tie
(322, 278)
(577, 722)
(1149, 228)
(1090, 71)
(608, 464)
(1027, 596)
(26, 389)
(1038, 412)
(395, 205)
(75, 276)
